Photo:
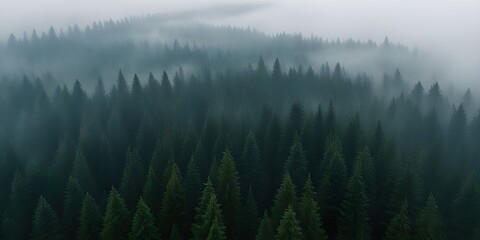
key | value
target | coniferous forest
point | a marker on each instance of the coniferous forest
(107, 137)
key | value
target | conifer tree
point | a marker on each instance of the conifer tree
(249, 166)
(296, 164)
(353, 221)
(332, 191)
(201, 209)
(465, 209)
(286, 196)
(90, 220)
(143, 226)
(82, 173)
(289, 228)
(429, 223)
(212, 213)
(71, 207)
(116, 222)
(229, 193)
(217, 231)
(45, 222)
(249, 217)
(151, 191)
(174, 203)
(309, 217)
(265, 231)
(193, 186)
(399, 226)
(132, 179)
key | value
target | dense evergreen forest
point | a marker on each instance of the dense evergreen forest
(229, 150)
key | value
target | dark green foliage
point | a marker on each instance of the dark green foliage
(143, 226)
(116, 222)
(332, 191)
(217, 231)
(429, 222)
(193, 188)
(249, 166)
(81, 171)
(248, 223)
(265, 231)
(71, 208)
(90, 221)
(201, 209)
(286, 196)
(229, 193)
(309, 217)
(133, 178)
(399, 226)
(289, 228)
(174, 206)
(296, 164)
(151, 191)
(354, 221)
(211, 214)
(45, 222)
(465, 209)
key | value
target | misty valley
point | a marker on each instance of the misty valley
(144, 129)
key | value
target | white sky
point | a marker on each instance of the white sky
(449, 27)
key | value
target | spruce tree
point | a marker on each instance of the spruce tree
(249, 166)
(249, 217)
(151, 191)
(193, 187)
(309, 217)
(143, 226)
(90, 220)
(429, 223)
(201, 209)
(399, 226)
(286, 196)
(71, 207)
(45, 222)
(353, 221)
(217, 231)
(212, 213)
(289, 228)
(132, 179)
(465, 210)
(296, 164)
(229, 193)
(174, 205)
(265, 231)
(116, 222)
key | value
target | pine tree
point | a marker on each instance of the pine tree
(90, 220)
(296, 164)
(132, 179)
(249, 166)
(71, 207)
(174, 203)
(277, 71)
(265, 231)
(217, 231)
(310, 221)
(399, 226)
(286, 196)
(143, 226)
(16, 214)
(193, 186)
(201, 210)
(429, 223)
(249, 217)
(116, 222)
(465, 210)
(229, 193)
(151, 191)
(353, 221)
(82, 173)
(212, 213)
(289, 228)
(332, 191)
(45, 222)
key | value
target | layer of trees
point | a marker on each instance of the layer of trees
(249, 154)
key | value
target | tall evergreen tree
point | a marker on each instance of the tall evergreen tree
(465, 210)
(286, 196)
(151, 191)
(249, 217)
(45, 222)
(229, 193)
(71, 208)
(249, 166)
(265, 231)
(399, 226)
(90, 220)
(116, 222)
(132, 179)
(143, 226)
(354, 221)
(217, 231)
(289, 228)
(309, 217)
(429, 223)
(174, 206)
(296, 164)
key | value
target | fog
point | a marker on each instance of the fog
(449, 30)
